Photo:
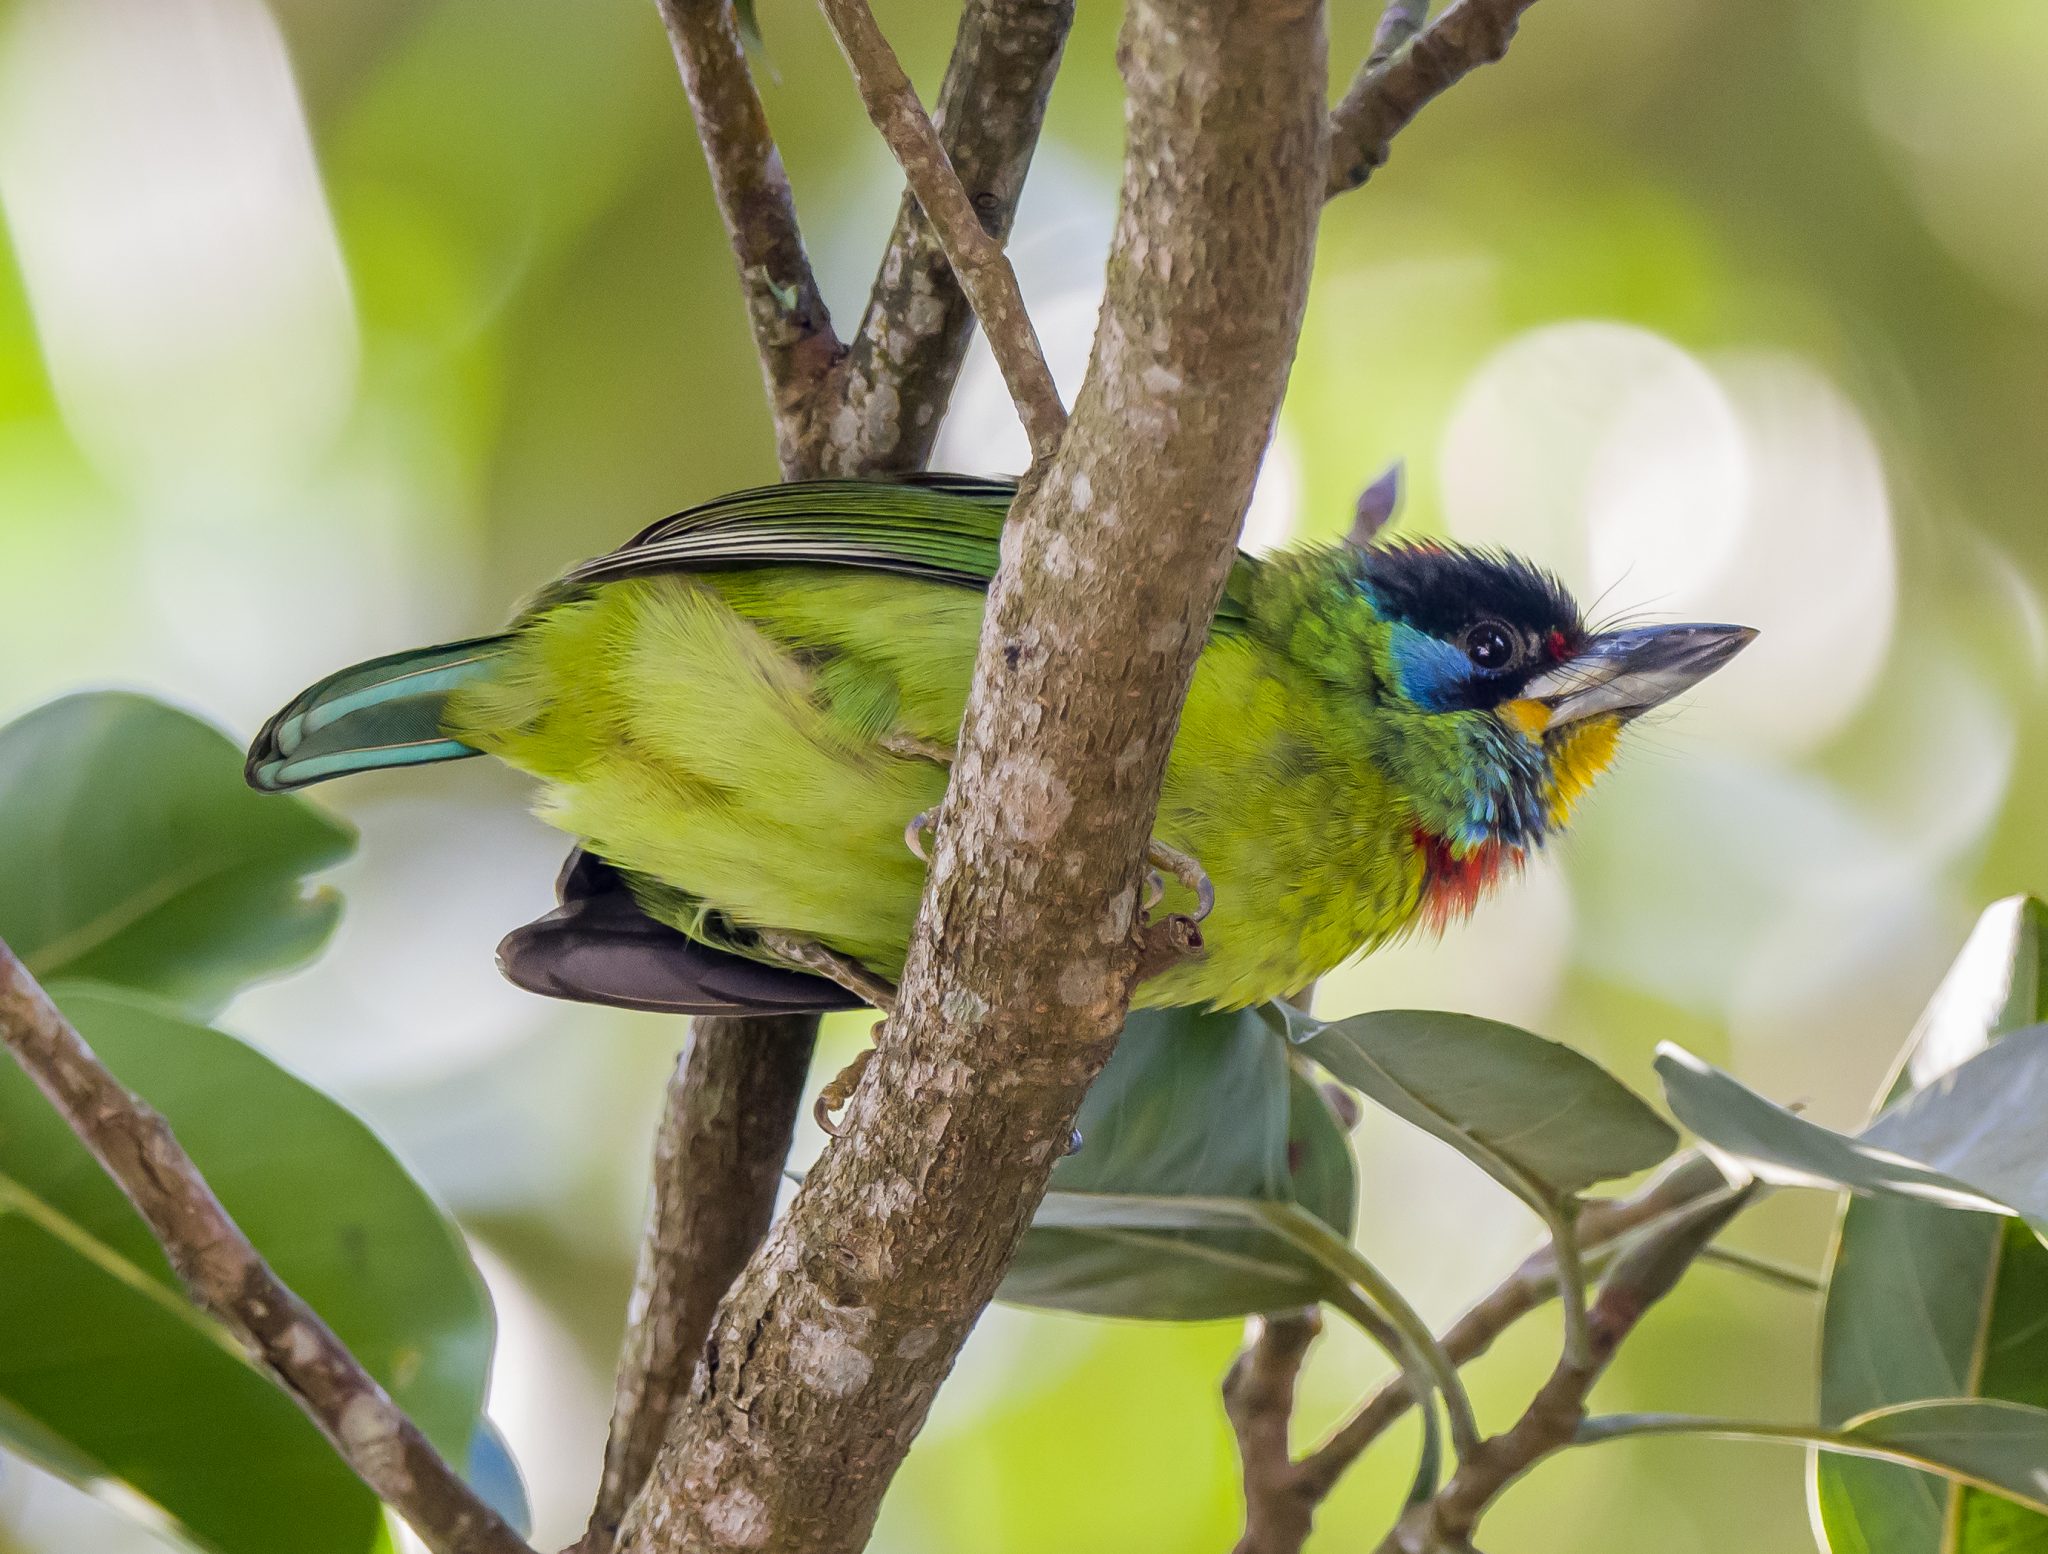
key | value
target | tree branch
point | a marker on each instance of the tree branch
(732, 1107)
(792, 329)
(1258, 1399)
(226, 1277)
(1279, 1508)
(1644, 1275)
(1388, 92)
(825, 1357)
(731, 1110)
(899, 373)
(718, 1159)
(976, 257)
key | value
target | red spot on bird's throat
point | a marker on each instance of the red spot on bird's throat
(1451, 885)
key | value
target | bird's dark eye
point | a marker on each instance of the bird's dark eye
(1489, 645)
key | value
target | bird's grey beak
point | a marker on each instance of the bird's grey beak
(1624, 673)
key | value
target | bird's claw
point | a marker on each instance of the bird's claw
(838, 1091)
(809, 955)
(913, 834)
(1187, 871)
(1170, 859)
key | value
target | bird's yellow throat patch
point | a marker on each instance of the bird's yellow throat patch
(1576, 760)
(1528, 715)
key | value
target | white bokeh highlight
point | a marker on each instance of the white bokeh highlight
(186, 280)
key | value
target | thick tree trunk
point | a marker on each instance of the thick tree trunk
(825, 1357)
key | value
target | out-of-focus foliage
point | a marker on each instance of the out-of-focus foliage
(132, 819)
(1192, 1107)
(326, 330)
(152, 867)
(1928, 1302)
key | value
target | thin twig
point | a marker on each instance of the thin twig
(903, 360)
(718, 1160)
(1281, 1505)
(1387, 93)
(977, 258)
(226, 1277)
(792, 329)
(1642, 1276)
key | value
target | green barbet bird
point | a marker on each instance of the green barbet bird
(740, 712)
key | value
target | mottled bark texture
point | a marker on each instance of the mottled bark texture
(977, 259)
(226, 1277)
(792, 329)
(1389, 91)
(1258, 1399)
(716, 1167)
(718, 1160)
(899, 371)
(825, 1357)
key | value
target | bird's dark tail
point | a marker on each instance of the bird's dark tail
(386, 712)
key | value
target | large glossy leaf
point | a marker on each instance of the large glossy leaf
(1541, 1119)
(1192, 1107)
(1993, 1446)
(1922, 1301)
(133, 853)
(1973, 1137)
(107, 1374)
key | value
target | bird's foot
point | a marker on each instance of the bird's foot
(838, 1091)
(909, 746)
(1187, 871)
(857, 980)
(809, 955)
(1171, 859)
(913, 834)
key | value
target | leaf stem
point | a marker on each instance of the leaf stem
(1364, 1279)
(1571, 1282)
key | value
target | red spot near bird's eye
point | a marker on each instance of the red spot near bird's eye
(1555, 644)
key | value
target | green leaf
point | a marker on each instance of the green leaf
(1922, 1301)
(1542, 1120)
(1193, 1106)
(1999, 1447)
(1982, 1119)
(107, 1373)
(143, 860)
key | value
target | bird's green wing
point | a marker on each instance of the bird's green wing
(943, 528)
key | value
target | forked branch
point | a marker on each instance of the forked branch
(1281, 1497)
(792, 329)
(1390, 90)
(827, 1354)
(977, 258)
(903, 361)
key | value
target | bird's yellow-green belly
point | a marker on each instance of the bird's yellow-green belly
(726, 739)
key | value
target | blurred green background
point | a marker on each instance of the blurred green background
(329, 329)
